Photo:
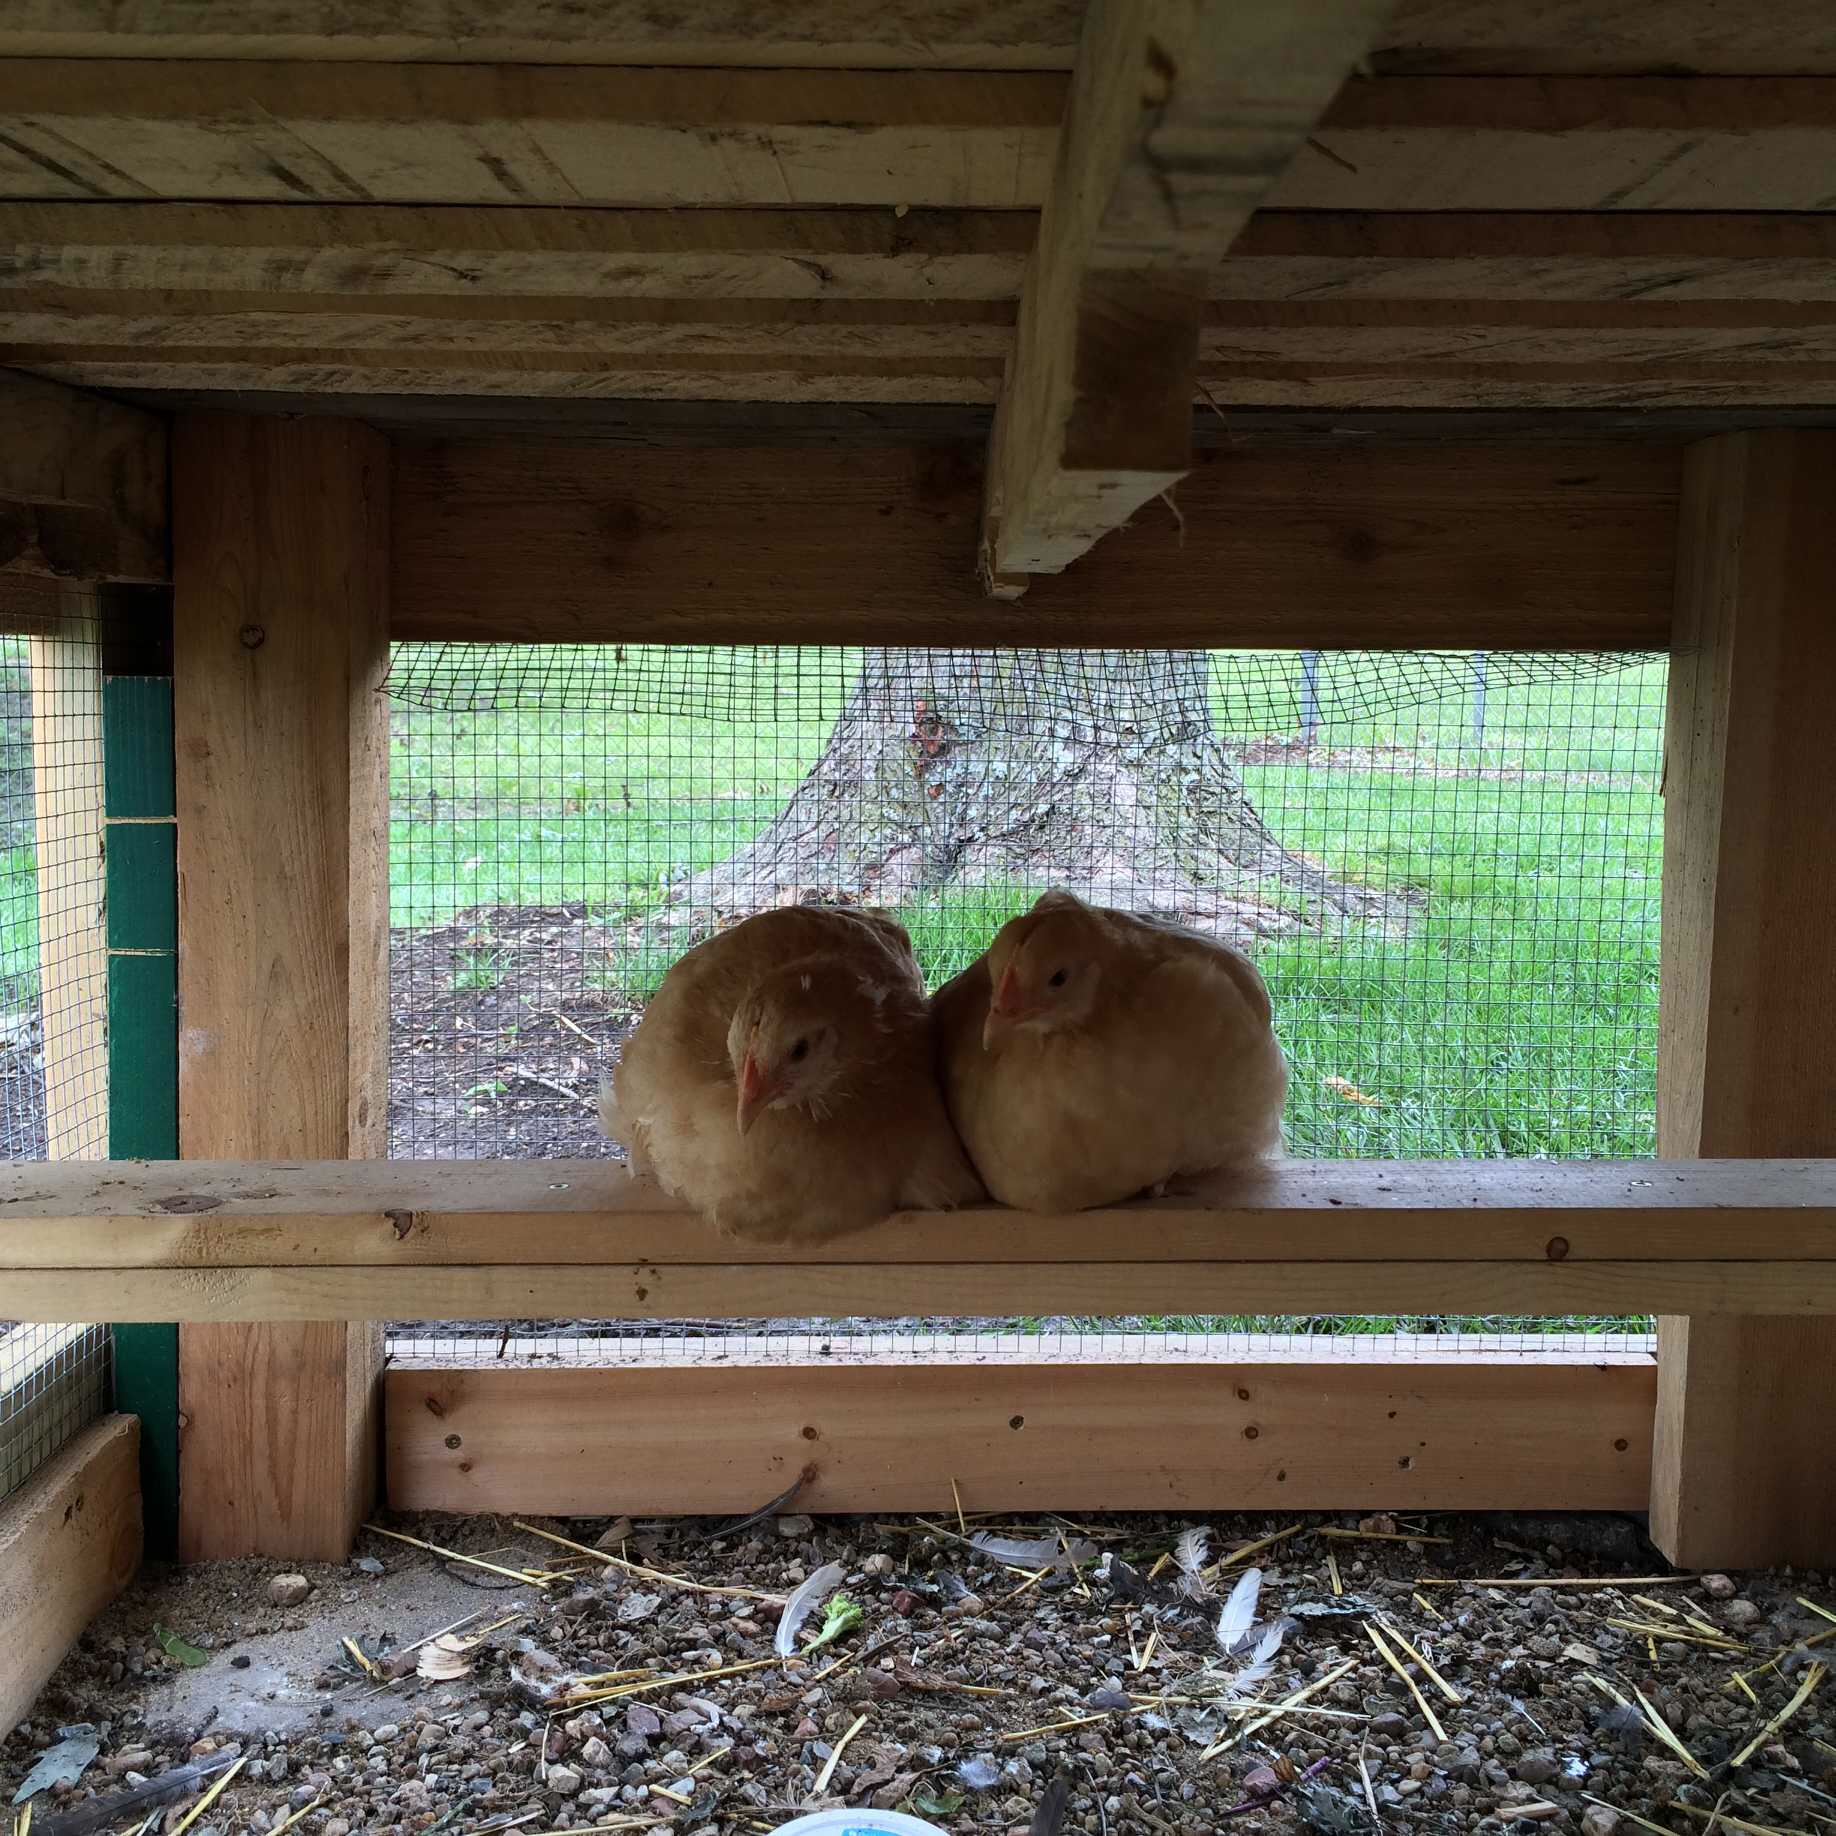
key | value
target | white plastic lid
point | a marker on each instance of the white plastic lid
(858, 1823)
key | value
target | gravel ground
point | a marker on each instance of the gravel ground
(967, 1692)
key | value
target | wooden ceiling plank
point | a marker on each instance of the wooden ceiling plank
(1475, 37)
(482, 134)
(1570, 144)
(509, 135)
(1731, 384)
(479, 252)
(475, 253)
(1180, 117)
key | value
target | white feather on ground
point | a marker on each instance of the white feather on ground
(803, 1602)
(1239, 1611)
(1191, 1553)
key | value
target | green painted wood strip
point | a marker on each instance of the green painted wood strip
(137, 746)
(142, 868)
(142, 913)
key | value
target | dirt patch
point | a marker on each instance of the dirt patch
(500, 1024)
(967, 1686)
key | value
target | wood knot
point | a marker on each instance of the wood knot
(1556, 1248)
(402, 1222)
(187, 1202)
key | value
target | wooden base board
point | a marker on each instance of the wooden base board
(70, 1541)
(718, 1439)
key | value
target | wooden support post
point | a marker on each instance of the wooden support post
(280, 643)
(1744, 1463)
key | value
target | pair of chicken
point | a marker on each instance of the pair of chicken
(791, 1081)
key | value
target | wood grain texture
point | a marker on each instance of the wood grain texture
(334, 251)
(82, 485)
(660, 425)
(1488, 548)
(1483, 37)
(490, 133)
(1745, 389)
(1745, 1466)
(542, 135)
(307, 257)
(890, 1291)
(716, 1439)
(941, 34)
(66, 687)
(443, 1240)
(281, 596)
(69, 1543)
(242, 1214)
(1565, 143)
(1180, 117)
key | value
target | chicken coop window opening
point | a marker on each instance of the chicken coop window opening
(53, 991)
(1446, 866)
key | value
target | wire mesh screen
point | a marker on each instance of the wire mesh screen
(1445, 865)
(53, 982)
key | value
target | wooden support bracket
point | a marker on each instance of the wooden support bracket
(82, 485)
(1182, 114)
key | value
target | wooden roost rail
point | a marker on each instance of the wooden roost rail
(246, 1241)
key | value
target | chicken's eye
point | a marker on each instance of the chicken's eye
(800, 1050)
(1058, 979)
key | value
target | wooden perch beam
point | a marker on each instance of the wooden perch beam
(82, 485)
(443, 1240)
(1180, 117)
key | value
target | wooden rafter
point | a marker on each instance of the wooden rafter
(1180, 117)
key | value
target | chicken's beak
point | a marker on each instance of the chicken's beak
(756, 1090)
(1006, 1008)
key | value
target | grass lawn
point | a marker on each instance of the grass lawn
(1516, 1017)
